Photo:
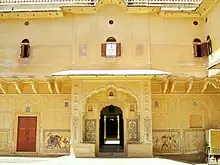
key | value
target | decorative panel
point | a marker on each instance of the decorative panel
(57, 140)
(166, 141)
(83, 49)
(4, 140)
(147, 98)
(133, 134)
(90, 131)
(147, 128)
(75, 128)
(194, 140)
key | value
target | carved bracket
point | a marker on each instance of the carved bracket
(189, 84)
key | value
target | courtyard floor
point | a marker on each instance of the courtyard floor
(69, 160)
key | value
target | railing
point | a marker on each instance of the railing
(59, 2)
(165, 1)
(164, 4)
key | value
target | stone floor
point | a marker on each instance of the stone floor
(70, 160)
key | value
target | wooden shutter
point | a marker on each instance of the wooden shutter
(195, 53)
(118, 49)
(204, 48)
(103, 50)
(28, 50)
(22, 51)
(209, 47)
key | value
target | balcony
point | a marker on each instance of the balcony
(173, 5)
(164, 4)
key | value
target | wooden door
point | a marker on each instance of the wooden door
(26, 136)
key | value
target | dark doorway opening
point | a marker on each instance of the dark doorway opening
(111, 137)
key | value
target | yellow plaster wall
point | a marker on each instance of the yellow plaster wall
(53, 117)
(212, 26)
(51, 43)
(147, 40)
(179, 121)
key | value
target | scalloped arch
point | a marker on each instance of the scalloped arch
(118, 89)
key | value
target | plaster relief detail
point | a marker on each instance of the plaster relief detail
(146, 98)
(148, 129)
(166, 141)
(171, 103)
(90, 131)
(76, 97)
(133, 134)
(194, 140)
(4, 140)
(75, 128)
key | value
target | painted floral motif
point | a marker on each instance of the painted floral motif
(195, 140)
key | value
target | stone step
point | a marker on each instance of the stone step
(112, 154)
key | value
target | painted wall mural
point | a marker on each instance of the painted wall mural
(133, 131)
(166, 141)
(57, 141)
(194, 140)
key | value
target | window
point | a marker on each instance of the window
(208, 39)
(111, 48)
(200, 49)
(25, 49)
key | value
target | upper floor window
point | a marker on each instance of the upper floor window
(25, 48)
(111, 48)
(200, 49)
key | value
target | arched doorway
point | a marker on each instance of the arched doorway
(111, 130)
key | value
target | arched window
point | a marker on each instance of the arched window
(25, 48)
(208, 39)
(197, 48)
(111, 48)
(111, 39)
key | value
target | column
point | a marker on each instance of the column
(104, 127)
(118, 135)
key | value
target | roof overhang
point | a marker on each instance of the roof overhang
(110, 73)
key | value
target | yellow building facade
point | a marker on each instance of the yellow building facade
(61, 94)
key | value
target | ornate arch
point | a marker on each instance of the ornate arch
(118, 89)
